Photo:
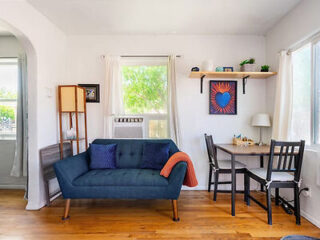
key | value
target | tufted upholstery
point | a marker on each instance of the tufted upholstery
(129, 151)
(121, 177)
(128, 181)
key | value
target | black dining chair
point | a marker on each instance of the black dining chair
(284, 169)
(217, 167)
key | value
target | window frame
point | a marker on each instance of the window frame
(315, 92)
(148, 61)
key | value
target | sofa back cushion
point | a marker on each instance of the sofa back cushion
(130, 151)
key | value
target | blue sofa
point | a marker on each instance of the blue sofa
(128, 181)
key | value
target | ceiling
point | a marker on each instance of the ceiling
(164, 16)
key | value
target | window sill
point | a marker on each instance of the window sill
(8, 137)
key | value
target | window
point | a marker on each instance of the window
(145, 92)
(301, 112)
(306, 93)
(8, 97)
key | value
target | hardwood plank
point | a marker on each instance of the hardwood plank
(200, 218)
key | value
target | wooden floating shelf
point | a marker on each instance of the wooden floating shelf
(232, 75)
(258, 75)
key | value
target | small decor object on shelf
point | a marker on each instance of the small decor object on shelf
(248, 65)
(92, 92)
(195, 69)
(265, 68)
(238, 140)
(223, 97)
(207, 66)
(219, 69)
(71, 134)
(228, 69)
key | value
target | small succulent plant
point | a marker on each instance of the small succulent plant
(248, 61)
(265, 68)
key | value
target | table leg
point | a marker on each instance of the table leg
(233, 186)
(261, 165)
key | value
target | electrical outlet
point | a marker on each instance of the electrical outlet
(306, 193)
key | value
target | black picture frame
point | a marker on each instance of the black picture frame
(96, 91)
(231, 108)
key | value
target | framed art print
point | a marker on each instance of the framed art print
(223, 97)
(92, 92)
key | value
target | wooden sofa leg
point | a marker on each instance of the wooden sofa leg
(66, 210)
(175, 211)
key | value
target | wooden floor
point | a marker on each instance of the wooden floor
(201, 218)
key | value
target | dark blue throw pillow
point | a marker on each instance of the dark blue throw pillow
(155, 155)
(102, 156)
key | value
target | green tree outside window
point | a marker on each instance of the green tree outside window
(145, 89)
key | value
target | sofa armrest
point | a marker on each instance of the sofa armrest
(177, 174)
(70, 168)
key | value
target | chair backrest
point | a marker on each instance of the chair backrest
(50, 155)
(289, 156)
(130, 151)
(212, 150)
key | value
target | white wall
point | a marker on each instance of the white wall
(45, 47)
(9, 47)
(85, 65)
(301, 22)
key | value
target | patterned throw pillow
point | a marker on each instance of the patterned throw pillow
(102, 156)
(155, 155)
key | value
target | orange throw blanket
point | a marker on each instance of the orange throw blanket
(190, 179)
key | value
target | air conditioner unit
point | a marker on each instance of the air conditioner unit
(128, 127)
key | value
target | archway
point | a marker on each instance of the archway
(33, 160)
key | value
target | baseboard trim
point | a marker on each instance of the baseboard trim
(20, 187)
(310, 218)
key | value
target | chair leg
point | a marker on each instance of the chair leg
(175, 211)
(247, 189)
(245, 183)
(297, 205)
(216, 183)
(66, 210)
(277, 196)
(210, 178)
(269, 206)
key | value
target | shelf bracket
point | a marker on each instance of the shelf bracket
(201, 83)
(244, 82)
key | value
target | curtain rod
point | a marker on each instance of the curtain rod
(103, 56)
(303, 42)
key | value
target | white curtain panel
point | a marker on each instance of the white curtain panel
(113, 104)
(283, 99)
(20, 163)
(172, 98)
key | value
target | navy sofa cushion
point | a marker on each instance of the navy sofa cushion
(129, 151)
(102, 156)
(121, 177)
(155, 155)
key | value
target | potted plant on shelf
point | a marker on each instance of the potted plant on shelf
(265, 68)
(248, 65)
